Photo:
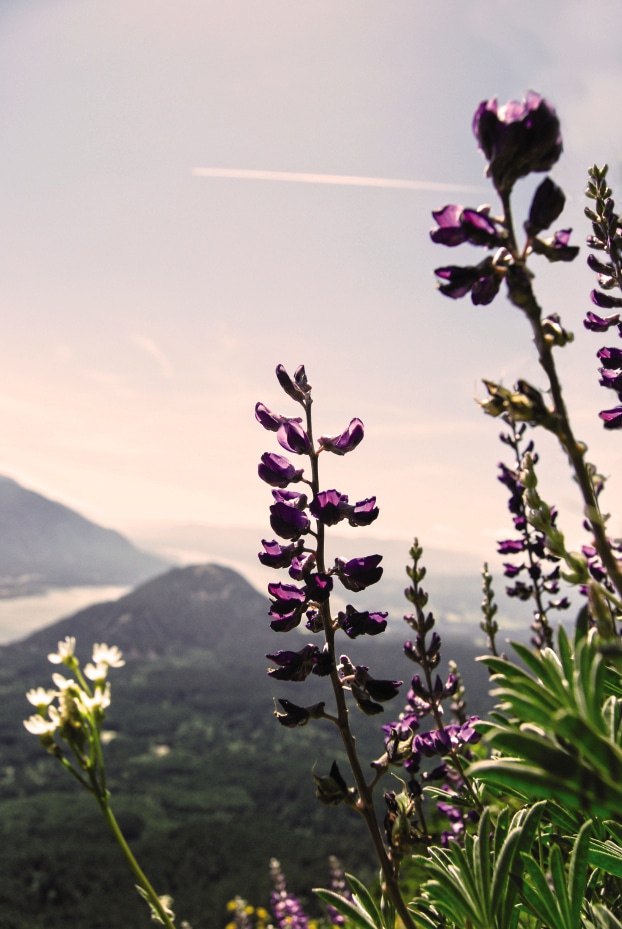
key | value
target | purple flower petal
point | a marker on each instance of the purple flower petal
(605, 301)
(297, 388)
(269, 420)
(359, 573)
(354, 623)
(293, 438)
(327, 506)
(346, 441)
(612, 419)
(278, 556)
(600, 323)
(610, 357)
(288, 521)
(518, 138)
(277, 471)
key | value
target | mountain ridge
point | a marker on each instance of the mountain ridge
(45, 544)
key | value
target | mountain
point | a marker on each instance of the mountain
(45, 544)
(199, 607)
(205, 783)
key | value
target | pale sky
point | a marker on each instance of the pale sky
(145, 303)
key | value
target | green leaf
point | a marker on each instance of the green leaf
(482, 864)
(538, 896)
(558, 878)
(347, 909)
(605, 855)
(577, 874)
(520, 838)
(365, 899)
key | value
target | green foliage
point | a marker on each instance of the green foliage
(477, 885)
(362, 911)
(559, 727)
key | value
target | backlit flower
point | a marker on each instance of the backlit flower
(517, 138)
(346, 441)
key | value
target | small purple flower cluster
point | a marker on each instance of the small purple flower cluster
(607, 237)
(516, 139)
(300, 519)
(404, 744)
(286, 907)
(531, 545)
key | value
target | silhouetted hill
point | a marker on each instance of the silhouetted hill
(200, 607)
(45, 544)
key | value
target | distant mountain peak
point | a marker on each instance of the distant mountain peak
(202, 606)
(45, 544)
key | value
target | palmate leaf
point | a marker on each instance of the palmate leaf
(559, 906)
(583, 792)
(606, 855)
(362, 911)
(561, 728)
(478, 885)
(353, 913)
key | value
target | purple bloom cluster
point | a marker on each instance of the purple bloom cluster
(607, 237)
(300, 520)
(516, 139)
(530, 579)
(286, 907)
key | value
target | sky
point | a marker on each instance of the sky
(154, 272)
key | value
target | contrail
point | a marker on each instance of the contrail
(340, 179)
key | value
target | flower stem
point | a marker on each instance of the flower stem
(574, 450)
(365, 803)
(137, 871)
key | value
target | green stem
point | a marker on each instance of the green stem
(137, 871)
(575, 451)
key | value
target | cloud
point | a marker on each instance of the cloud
(345, 180)
(150, 348)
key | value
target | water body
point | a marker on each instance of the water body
(19, 616)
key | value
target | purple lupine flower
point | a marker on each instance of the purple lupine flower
(286, 908)
(382, 690)
(328, 507)
(290, 497)
(510, 546)
(279, 556)
(277, 471)
(271, 421)
(611, 378)
(339, 885)
(298, 388)
(600, 323)
(293, 438)
(610, 357)
(556, 248)
(362, 513)
(297, 666)
(298, 715)
(547, 204)
(517, 138)
(457, 225)
(482, 281)
(605, 301)
(302, 565)
(354, 623)
(318, 587)
(346, 441)
(612, 419)
(359, 573)
(287, 607)
(288, 521)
